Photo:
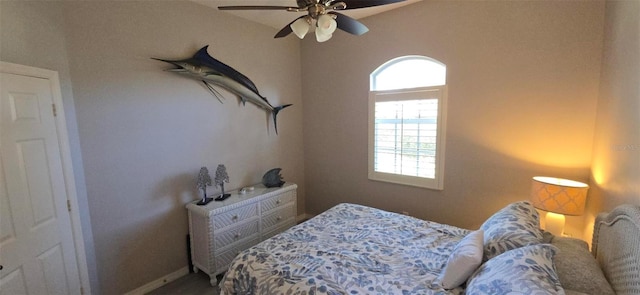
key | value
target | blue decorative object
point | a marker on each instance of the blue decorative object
(211, 72)
(273, 178)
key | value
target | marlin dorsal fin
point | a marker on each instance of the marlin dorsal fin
(203, 57)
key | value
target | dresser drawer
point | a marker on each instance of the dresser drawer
(277, 217)
(234, 216)
(235, 234)
(278, 201)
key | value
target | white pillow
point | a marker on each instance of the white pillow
(464, 260)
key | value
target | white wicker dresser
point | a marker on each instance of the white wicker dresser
(221, 230)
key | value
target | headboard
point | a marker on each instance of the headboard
(616, 246)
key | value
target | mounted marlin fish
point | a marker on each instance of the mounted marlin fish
(212, 71)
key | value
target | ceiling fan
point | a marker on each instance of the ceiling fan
(321, 16)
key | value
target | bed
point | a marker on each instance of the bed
(354, 249)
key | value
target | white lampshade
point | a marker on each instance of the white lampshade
(326, 24)
(325, 27)
(320, 37)
(558, 196)
(301, 27)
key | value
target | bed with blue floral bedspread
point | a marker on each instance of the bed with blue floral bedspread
(353, 249)
(349, 249)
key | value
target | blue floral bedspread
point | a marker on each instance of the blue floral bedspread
(349, 249)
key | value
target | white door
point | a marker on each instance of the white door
(37, 250)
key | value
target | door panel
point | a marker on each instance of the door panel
(14, 283)
(7, 231)
(55, 278)
(33, 163)
(24, 106)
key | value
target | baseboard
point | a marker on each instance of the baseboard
(160, 282)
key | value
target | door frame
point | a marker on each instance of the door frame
(65, 156)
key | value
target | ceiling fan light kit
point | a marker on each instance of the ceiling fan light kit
(322, 13)
(325, 26)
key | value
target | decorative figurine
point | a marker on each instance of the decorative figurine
(273, 178)
(204, 180)
(210, 71)
(221, 178)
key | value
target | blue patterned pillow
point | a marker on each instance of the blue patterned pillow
(526, 270)
(514, 226)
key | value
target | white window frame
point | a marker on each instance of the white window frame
(437, 92)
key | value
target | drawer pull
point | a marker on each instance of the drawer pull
(279, 218)
(278, 201)
(236, 236)
(235, 217)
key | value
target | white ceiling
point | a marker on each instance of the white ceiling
(278, 19)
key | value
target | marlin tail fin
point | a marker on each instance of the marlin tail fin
(276, 110)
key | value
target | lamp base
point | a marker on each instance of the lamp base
(554, 223)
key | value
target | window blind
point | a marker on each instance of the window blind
(405, 137)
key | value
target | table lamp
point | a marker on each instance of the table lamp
(559, 197)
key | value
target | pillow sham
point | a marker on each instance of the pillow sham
(577, 269)
(463, 261)
(514, 226)
(525, 270)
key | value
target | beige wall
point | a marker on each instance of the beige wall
(31, 33)
(145, 133)
(523, 82)
(615, 174)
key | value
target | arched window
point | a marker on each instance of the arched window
(407, 108)
(409, 72)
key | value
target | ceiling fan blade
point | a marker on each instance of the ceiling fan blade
(350, 25)
(355, 4)
(256, 8)
(287, 29)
